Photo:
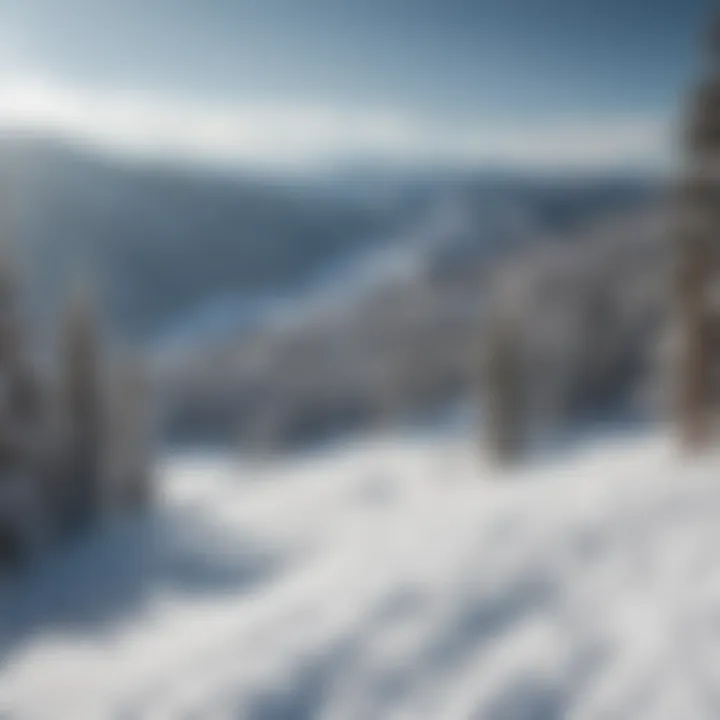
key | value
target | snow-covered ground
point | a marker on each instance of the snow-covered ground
(385, 580)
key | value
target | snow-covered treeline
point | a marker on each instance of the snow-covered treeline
(74, 424)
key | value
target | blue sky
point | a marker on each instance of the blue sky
(429, 74)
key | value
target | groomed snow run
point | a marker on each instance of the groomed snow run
(385, 580)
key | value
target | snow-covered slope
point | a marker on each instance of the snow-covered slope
(386, 580)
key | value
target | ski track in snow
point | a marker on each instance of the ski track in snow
(385, 580)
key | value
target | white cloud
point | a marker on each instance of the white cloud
(292, 137)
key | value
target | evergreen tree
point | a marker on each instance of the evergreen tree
(81, 397)
(502, 390)
(698, 263)
(23, 490)
(128, 428)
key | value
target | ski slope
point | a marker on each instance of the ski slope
(394, 579)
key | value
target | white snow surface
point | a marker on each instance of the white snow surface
(387, 579)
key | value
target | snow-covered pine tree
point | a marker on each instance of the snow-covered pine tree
(23, 488)
(129, 432)
(698, 264)
(502, 389)
(81, 408)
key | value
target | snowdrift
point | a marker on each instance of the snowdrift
(387, 579)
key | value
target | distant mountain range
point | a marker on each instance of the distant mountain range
(165, 245)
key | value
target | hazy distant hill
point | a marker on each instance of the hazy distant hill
(164, 243)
